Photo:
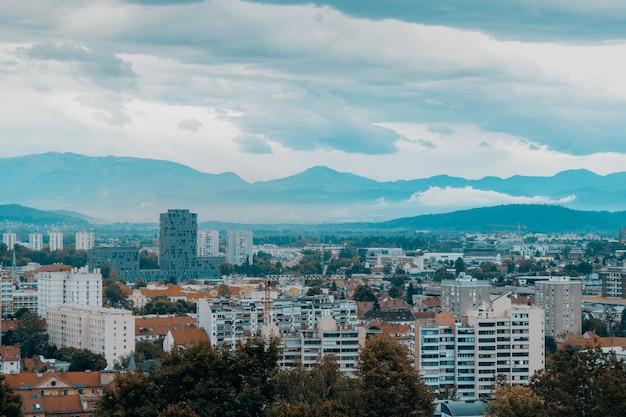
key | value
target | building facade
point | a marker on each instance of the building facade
(239, 247)
(84, 240)
(35, 241)
(9, 239)
(178, 237)
(55, 241)
(123, 259)
(208, 243)
(613, 281)
(78, 287)
(561, 299)
(106, 331)
(462, 294)
(498, 340)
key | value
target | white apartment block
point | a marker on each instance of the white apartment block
(208, 243)
(25, 299)
(106, 331)
(35, 241)
(498, 339)
(9, 239)
(7, 288)
(84, 240)
(561, 299)
(230, 321)
(239, 247)
(78, 287)
(55, 241)
(309, 346)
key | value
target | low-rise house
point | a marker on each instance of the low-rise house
(155, 328)
(183, 338)
(9, 359)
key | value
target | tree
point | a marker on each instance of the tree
(113, 295)
(459, 266)
(389, 385)
(363, 293)
(441, 274)
(515, 401)
(148, 260)
(10, 402)
(582, 383)
(597, 325)
(81, 359)
(226, 269)
(31, 335)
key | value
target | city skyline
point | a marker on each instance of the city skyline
(267, 89)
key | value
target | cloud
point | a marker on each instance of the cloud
(253, 144)
(468, 197)
(192, 125)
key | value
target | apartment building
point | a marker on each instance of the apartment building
(561, 299)
(613, 281)
(76, 287)
(84, 240)
(464, 293)
(239, 247)
(497, 340)
(9, 239)
(106, 331)
(208, 243)
(35, 241)
(55, 240)
(309, 346)
(123, 259)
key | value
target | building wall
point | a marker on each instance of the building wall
(106, 331)
(35, 241)
(124, 259)
(561, 299)
(178, 239)
(239, 247)
(55, 241)
(208, 243)
(84, 240)
(458, 296)
(77, 287)
(9, 239)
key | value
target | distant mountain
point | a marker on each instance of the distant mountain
(136, 189)
(14, 213)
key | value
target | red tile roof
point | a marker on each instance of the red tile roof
(10, 353)
(184, 337)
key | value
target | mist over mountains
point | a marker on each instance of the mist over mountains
(135, 189)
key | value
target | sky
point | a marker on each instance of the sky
(389, 90)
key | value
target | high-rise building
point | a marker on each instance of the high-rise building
(622, 235)
(561, 299)
(239, 247)
(499, 340)
(178, 239)
(35, 241)
(9, 239)
(56, 240)
(78, 287)
(613, 281)
(84, 240)
(106, 331)
(461, 294)
(208, 243)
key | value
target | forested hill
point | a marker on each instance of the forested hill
(15, 213)
(532, 218)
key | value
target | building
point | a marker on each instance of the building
(498, 340)
(84, 240)
(55, 241)
(25, 300)
(309, 346)
(9, 360)
(613, 281)
(462, 294)
(106, 331)
(9, 239)
(123, 259)
(561, 299)
(239, 247)
(208, 243)
(7, 288)
(77, 287)
(183, 338)
(35, 241)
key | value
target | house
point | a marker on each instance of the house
(183, 338)
(155, 328)
(9, 359)
(60, 393)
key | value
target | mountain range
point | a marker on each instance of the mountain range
(135, 189)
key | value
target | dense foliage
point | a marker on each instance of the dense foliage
(10, 402)
(245, 381)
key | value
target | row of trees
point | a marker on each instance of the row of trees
(246, 381)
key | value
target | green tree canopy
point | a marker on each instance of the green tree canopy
(31, 335)
(363, 293)
(389, 385)
(81, 359)
(10, 402)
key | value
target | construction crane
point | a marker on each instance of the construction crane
(518, 226)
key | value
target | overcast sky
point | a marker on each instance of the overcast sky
(393, 89)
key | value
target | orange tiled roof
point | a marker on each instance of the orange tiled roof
(161, 325)
(62, 403)
(170, 291)
(10, 353)
(184, 337)
(32, 379)
(9, 325)
(53, 268)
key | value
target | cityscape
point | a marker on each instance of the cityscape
(293, 208)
